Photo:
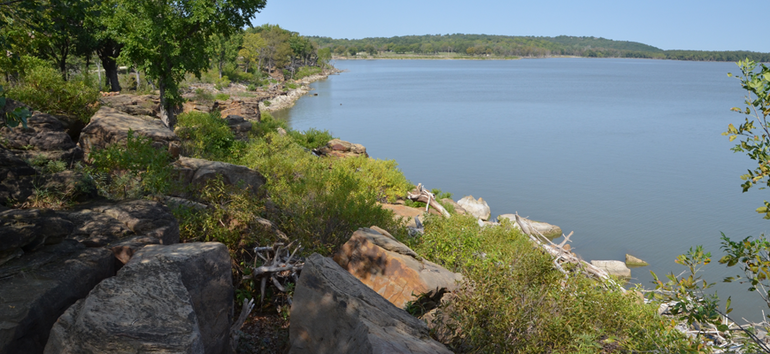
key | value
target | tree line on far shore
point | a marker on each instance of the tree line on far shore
(476, 45)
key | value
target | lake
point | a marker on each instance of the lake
(626, 153)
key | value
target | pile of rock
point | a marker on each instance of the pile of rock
(341, 148)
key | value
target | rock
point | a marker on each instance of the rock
(45, 136)
(146, 217)
(281, 131)
(109, 127)
(548, 230)
(197, 172)
(405, 214)
(28, 230)
(45, 284)
(458, 208)
(342, 148)
(248, 109)
(333, 312)
(477, 208)
(145, 308)
(239, 125)
(392, 269)
(143, 105)
(207, 275)
(17, 178)
(616, 268)
(632, 261)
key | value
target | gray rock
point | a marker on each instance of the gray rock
(144, 309)
(333, 312)
(548, 230)
(198, 172)
(17, 178)
(28, 230)
(207, 275)
(36, 289)
(632, 261)
(146, 217)
(109, 126)
(616, 268)
(478, 208)
(46, 135)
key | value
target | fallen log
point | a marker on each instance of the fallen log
(420, 194)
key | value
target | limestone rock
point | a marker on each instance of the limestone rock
(342, 148)
(548, 230)
(36, 289)
(477, 208)
(632, 261)
(616, 268)
(246, 108)
(197, 172)
(333, 312)
(109, 126)
(392, 269)
(145, 308)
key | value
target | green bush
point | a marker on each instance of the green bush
(382, 176)
(514, 301)
(222, 96)
(311, 138)
(131, 170)
(44, 89)
(306, 71)
(267, 124)
(207, 136)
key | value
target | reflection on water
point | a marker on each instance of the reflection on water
(625, 153)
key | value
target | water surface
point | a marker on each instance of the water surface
(625, 153)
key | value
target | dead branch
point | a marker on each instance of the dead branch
(420, 194)
(279, 266)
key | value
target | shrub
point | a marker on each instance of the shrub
(207, 136)
(311, 138)
(222, 96)
(267, 124)
(306, 71)
(515, 301)
(132, 170)
(381, 176)
(43, 88)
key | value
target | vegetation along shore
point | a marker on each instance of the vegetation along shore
(162, 206)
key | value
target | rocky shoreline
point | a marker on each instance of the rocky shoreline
(287, 100)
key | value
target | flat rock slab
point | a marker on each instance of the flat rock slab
(333, 312)
(616, 268)
(392, 269)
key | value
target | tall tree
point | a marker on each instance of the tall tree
(225, 49)
(169, 38)
(253, 49)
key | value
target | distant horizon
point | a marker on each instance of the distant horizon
(708, 25)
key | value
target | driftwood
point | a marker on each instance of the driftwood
(279, 266)
(420, 194)
(562, 256)
(235, 329)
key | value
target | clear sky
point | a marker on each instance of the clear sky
(666, 24)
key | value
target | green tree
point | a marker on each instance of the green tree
(324, 56)
(225, 49)
(253, 50)
(170, 38)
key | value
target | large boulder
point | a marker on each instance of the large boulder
(142, 105)
(197, 172)
(109, 127)
(246, 108)
(392, 269)
(546, 229)
(17, 178)
(333, 312)
(342, 148)
(50, 259)
(46, 136)
(36, 289)
(167, 299)
(144, 309)
(476, 207)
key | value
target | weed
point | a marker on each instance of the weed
(311, 138)
(222, 96)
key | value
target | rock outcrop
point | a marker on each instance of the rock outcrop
(545, 229)
(246, 108)
(476, 207)
(342, 148)
(632, 261)
(158, 302)
(197, 172)
(46, 136)
(142, 105)
(17, 178)
(333, 312)
(391, 268)
(50, 259)
(109, 127)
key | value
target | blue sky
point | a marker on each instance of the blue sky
(672, 24)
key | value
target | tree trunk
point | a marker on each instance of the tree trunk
(220, 69)
(108, 51)
(167, 115)
(99, 74)
(136, 70)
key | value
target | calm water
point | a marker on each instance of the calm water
(625, 153)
